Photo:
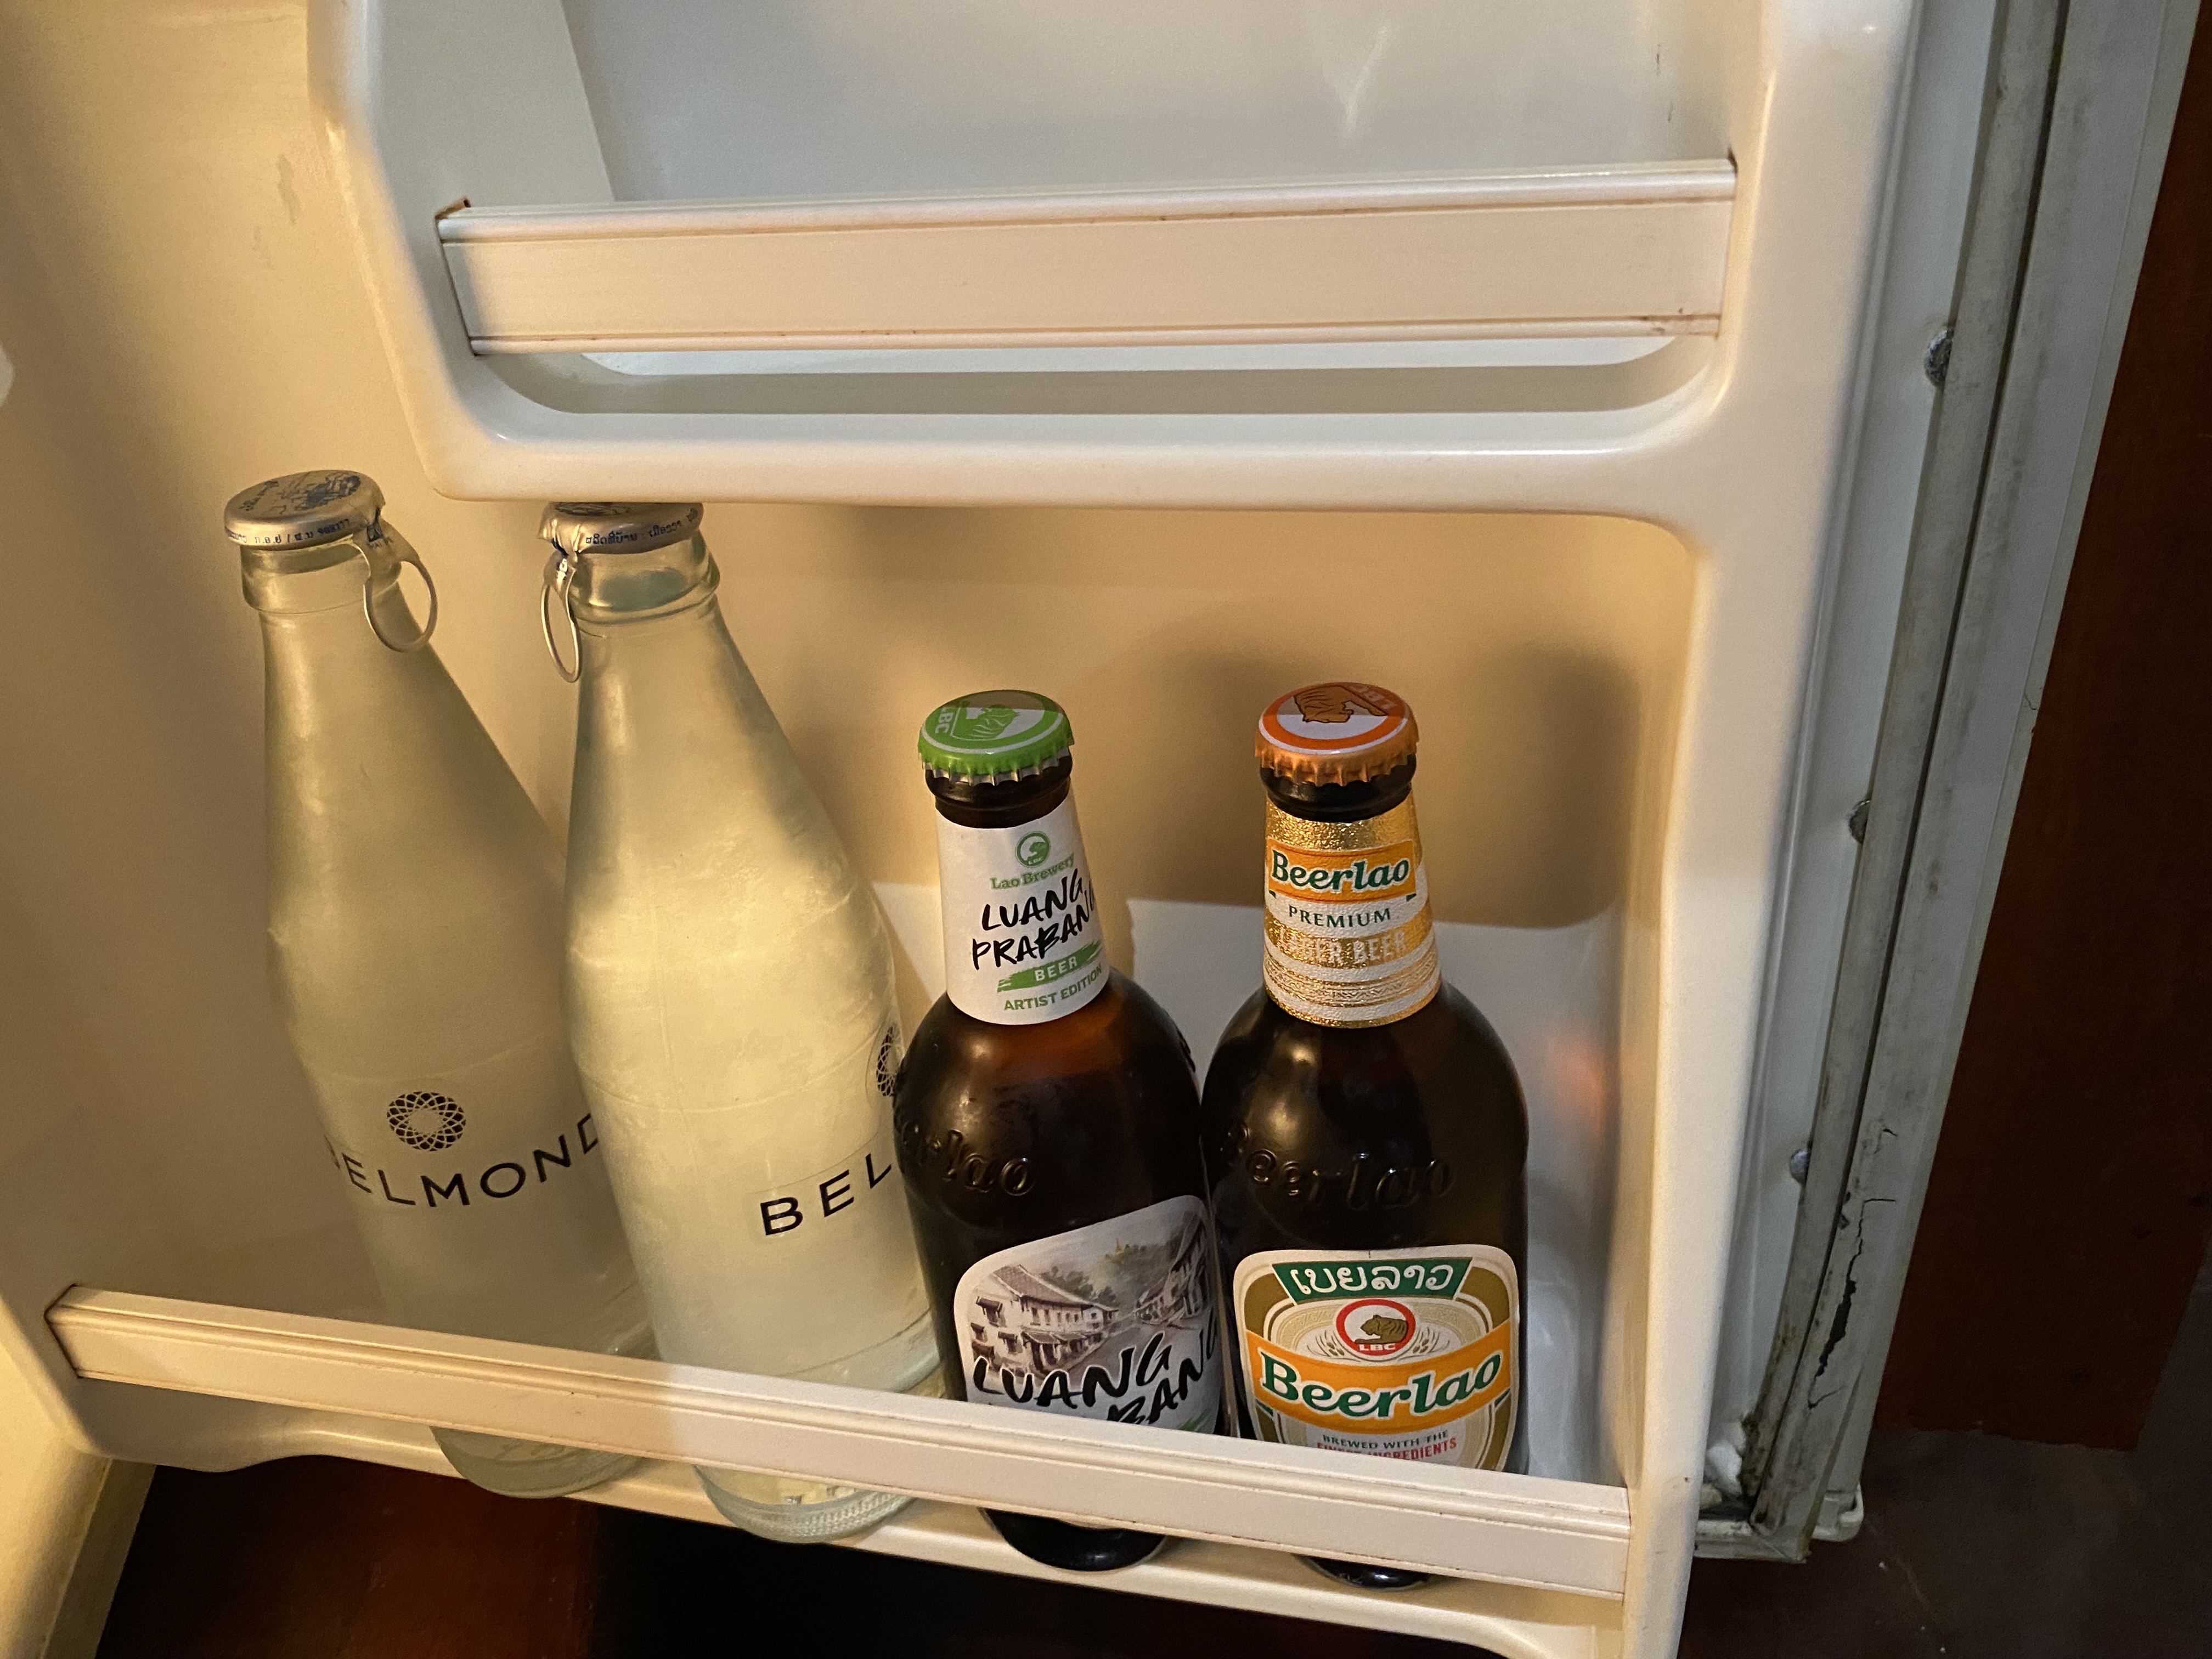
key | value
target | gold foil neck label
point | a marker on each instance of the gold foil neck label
(1349, 937)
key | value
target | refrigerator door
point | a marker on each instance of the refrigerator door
(1638, 558)
(2081, 106)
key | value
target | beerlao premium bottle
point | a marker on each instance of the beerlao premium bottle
(1048, 1124)
(415, 952)
(1366, 1138)
(731, 1005)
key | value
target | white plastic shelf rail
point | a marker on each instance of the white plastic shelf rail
(821, 206)
(1553, 1553)
(1548, 1534)
(1633, 250)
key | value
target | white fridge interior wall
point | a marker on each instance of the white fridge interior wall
(794, 99)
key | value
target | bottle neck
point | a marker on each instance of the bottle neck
(1024, 944)
(659, 671)
(1003, 803)
(679, 758)
(1350, 940)
(332, 577)
(615, 590)
(399, 839)
(370, 747)
(1339, 803)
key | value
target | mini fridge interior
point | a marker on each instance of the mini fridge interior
(1565, 367)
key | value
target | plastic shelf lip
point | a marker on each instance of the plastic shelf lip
(1547, 1533)
(1566, 252)
(1694, 181)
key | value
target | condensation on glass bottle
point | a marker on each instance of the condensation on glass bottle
(415, 952)
(731, 1004)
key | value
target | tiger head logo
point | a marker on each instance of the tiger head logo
(1385, 1331)
(1333, 704)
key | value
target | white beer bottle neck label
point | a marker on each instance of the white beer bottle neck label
(1023, 944)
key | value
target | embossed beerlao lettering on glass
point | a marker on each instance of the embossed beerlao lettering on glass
(1046, 1123)
(1365, 1133)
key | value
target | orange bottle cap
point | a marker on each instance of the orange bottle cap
(1338, 731)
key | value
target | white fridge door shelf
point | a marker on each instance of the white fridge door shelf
(1518, 1529)
(1633, 250)
(534, 187)
(1509, 1620)
(1553, 1552)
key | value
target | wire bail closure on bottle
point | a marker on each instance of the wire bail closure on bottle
(384, 550)
(560, 576)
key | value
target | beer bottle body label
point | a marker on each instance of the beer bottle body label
(1412, 1353)
(1023, 943)
(1115, 1321)
(1350, 938)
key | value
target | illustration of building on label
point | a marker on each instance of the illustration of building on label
(1037, 1319)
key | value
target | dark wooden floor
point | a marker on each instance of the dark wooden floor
(316, 1559)
(1975, 1548)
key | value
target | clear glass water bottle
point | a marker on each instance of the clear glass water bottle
(730, 1003)
(414, 953)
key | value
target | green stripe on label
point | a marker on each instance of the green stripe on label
(1045, 973)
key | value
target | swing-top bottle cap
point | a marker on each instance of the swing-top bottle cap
(302, 509)
(618, 527)
(994, 734)
(1337, 732)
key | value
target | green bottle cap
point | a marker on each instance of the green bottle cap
(994, 734)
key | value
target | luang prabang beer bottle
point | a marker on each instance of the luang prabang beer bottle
(1367, 1140)
(1048, 1124)
(415, 951)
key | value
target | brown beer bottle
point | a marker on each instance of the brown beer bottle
(1047, 1126)
(1366, 1140)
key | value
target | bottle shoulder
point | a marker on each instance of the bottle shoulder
(1448, 1023)
(1015, 1131)
(1122, 1027)
(1444, 1056)
(1365, 1137)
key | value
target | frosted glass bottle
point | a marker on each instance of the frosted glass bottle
(414, 952)
(730, 1005)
